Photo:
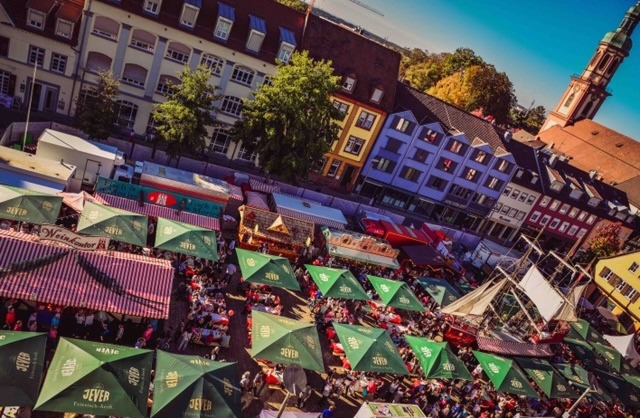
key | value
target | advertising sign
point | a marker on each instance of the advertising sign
(76, 241)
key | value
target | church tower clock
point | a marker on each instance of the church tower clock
(587, 92)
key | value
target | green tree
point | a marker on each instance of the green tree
(291, 121)
(96, 109)
(298, 5)
(478, 86)
(605, 241)
(181, 121)
(531, 121)
(459, 60)
(424, 75)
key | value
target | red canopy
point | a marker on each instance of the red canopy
(107, 281)
(400, 235)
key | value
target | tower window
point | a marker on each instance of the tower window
(604, 62)
(569, 100)
(613, 66)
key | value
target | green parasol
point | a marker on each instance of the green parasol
(266, 269)
(505, 375)
(620, 388)
(193, 386)
(285, 341)
(98, 379)
(118, 224)
(440, 290)
(586, 331)
(395, 293)
(579, 378)
(437, 359)
(584, 352)
(633, 378)
(24, 205)
(337, 283)
(370, 349)
(547, 378)
(21, 366)
(615, 359)
(186, 239)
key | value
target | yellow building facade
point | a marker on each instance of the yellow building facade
(617, 281)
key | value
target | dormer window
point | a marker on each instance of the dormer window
(377, 94)
(226, 17)
(349, 83)
(152, 6)
(287, 45)
(64, 28)
(36, 19)
(256, 34)
(190, 12)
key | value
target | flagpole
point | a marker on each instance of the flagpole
(576, 403)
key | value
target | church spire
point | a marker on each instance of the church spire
(586, 93)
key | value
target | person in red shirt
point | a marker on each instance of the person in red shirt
(10, 319)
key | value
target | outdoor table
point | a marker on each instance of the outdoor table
(274, 377)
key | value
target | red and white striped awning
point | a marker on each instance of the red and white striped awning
(512, 348)
(107, 281)
(158, 211)
(257, 200)
(258, 186)
(310, 218)
(76, 201)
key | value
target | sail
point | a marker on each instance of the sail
(475, 302)
(568, 310)
(546, 298)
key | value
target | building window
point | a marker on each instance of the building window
(493, 183)
(231, 105)
(285, 51)
(385, 165)
(447, 165)
(606, 274)
(496, 207)
(503, 166)
(573, 212)
(377, 94)
(36, 19)
(631, 294)
(545, 220)
(393, 145)
(563, 227)
(573, 230)
(581, 233)
(461, 192)
(545, 201)
(591, 219)
(506, 191)
(437, 183)
(223, 28)
(178, 52)
(411, 174)
(519, 173)
(354, 145)
(333, 168)
(513, 212)
(480, 157)
(220, 141)
(105, 27)
(127, 113)
(633, 268)
(348, 83)
(58, 63)
(455, 146)
(4, 46)
(483, 200)
(245, 155)
(165, 84)
(318, 166)
(254, 41)
(564, 209)
(535, 216)
(152, 6)
(189, 15)
(64, 28)
(143, 40)
(134, 74)
(402, 125)
(582, 216)
(505, 209)
(212, 63)
(5, 79)
(242, 75)
(523, 197)
(365, 120)
(430, 135)
(343, 108)
(36, 55)
(554, 223)
(515, 193)
(97, 62)
(554, 205)
(266, 81)
(420, 155)
(531, 199)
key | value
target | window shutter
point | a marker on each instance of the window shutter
(12, 85)
(4, 46)
(615, 280)
(635, 298)
(395, 121)
(189, 15)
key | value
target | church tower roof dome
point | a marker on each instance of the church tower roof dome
(618, 39)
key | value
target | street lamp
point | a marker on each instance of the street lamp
(366, 176)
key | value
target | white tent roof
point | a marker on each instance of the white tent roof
(624, 345)
(273, 414)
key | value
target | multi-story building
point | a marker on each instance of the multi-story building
(44, 35)
(617, 286)
(368, 74)
(437, 160)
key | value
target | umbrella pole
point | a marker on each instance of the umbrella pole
(577, 402)
(284, 404)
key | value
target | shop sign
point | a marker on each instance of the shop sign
(78, 242)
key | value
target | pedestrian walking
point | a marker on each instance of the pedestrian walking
(326, 392)
(257, 383)
(304, 396)
(245, 382)
(184, 339)
(119, 334)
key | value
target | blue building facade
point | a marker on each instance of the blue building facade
(437, 160)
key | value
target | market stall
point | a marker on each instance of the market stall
(284, 235)
(308, 211)
(358, 247)
(400, 235)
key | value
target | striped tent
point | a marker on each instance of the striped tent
(158, 211)
(76, 201)
(112, 282)
(259, 186)
(257, 200)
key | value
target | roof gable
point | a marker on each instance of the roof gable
(71, 10)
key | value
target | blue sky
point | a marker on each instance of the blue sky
(539, 44)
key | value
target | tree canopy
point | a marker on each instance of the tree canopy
(291, 121)
(605, 241)
(181, 122)
(96, 110)
(531, 120)
(298, 5)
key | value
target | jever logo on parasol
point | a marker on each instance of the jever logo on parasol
(171, 380)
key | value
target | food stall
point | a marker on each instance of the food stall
(308, 211)
(399, 235)
(359, 247)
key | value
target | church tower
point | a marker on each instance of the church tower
(587, 92)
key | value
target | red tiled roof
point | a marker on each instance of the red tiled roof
(44, 6)
(71, 11)
(66, 9)
(373, 64)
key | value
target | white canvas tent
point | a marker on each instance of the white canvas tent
(273, 414)
(624, 345)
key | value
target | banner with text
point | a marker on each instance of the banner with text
(76, 241)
